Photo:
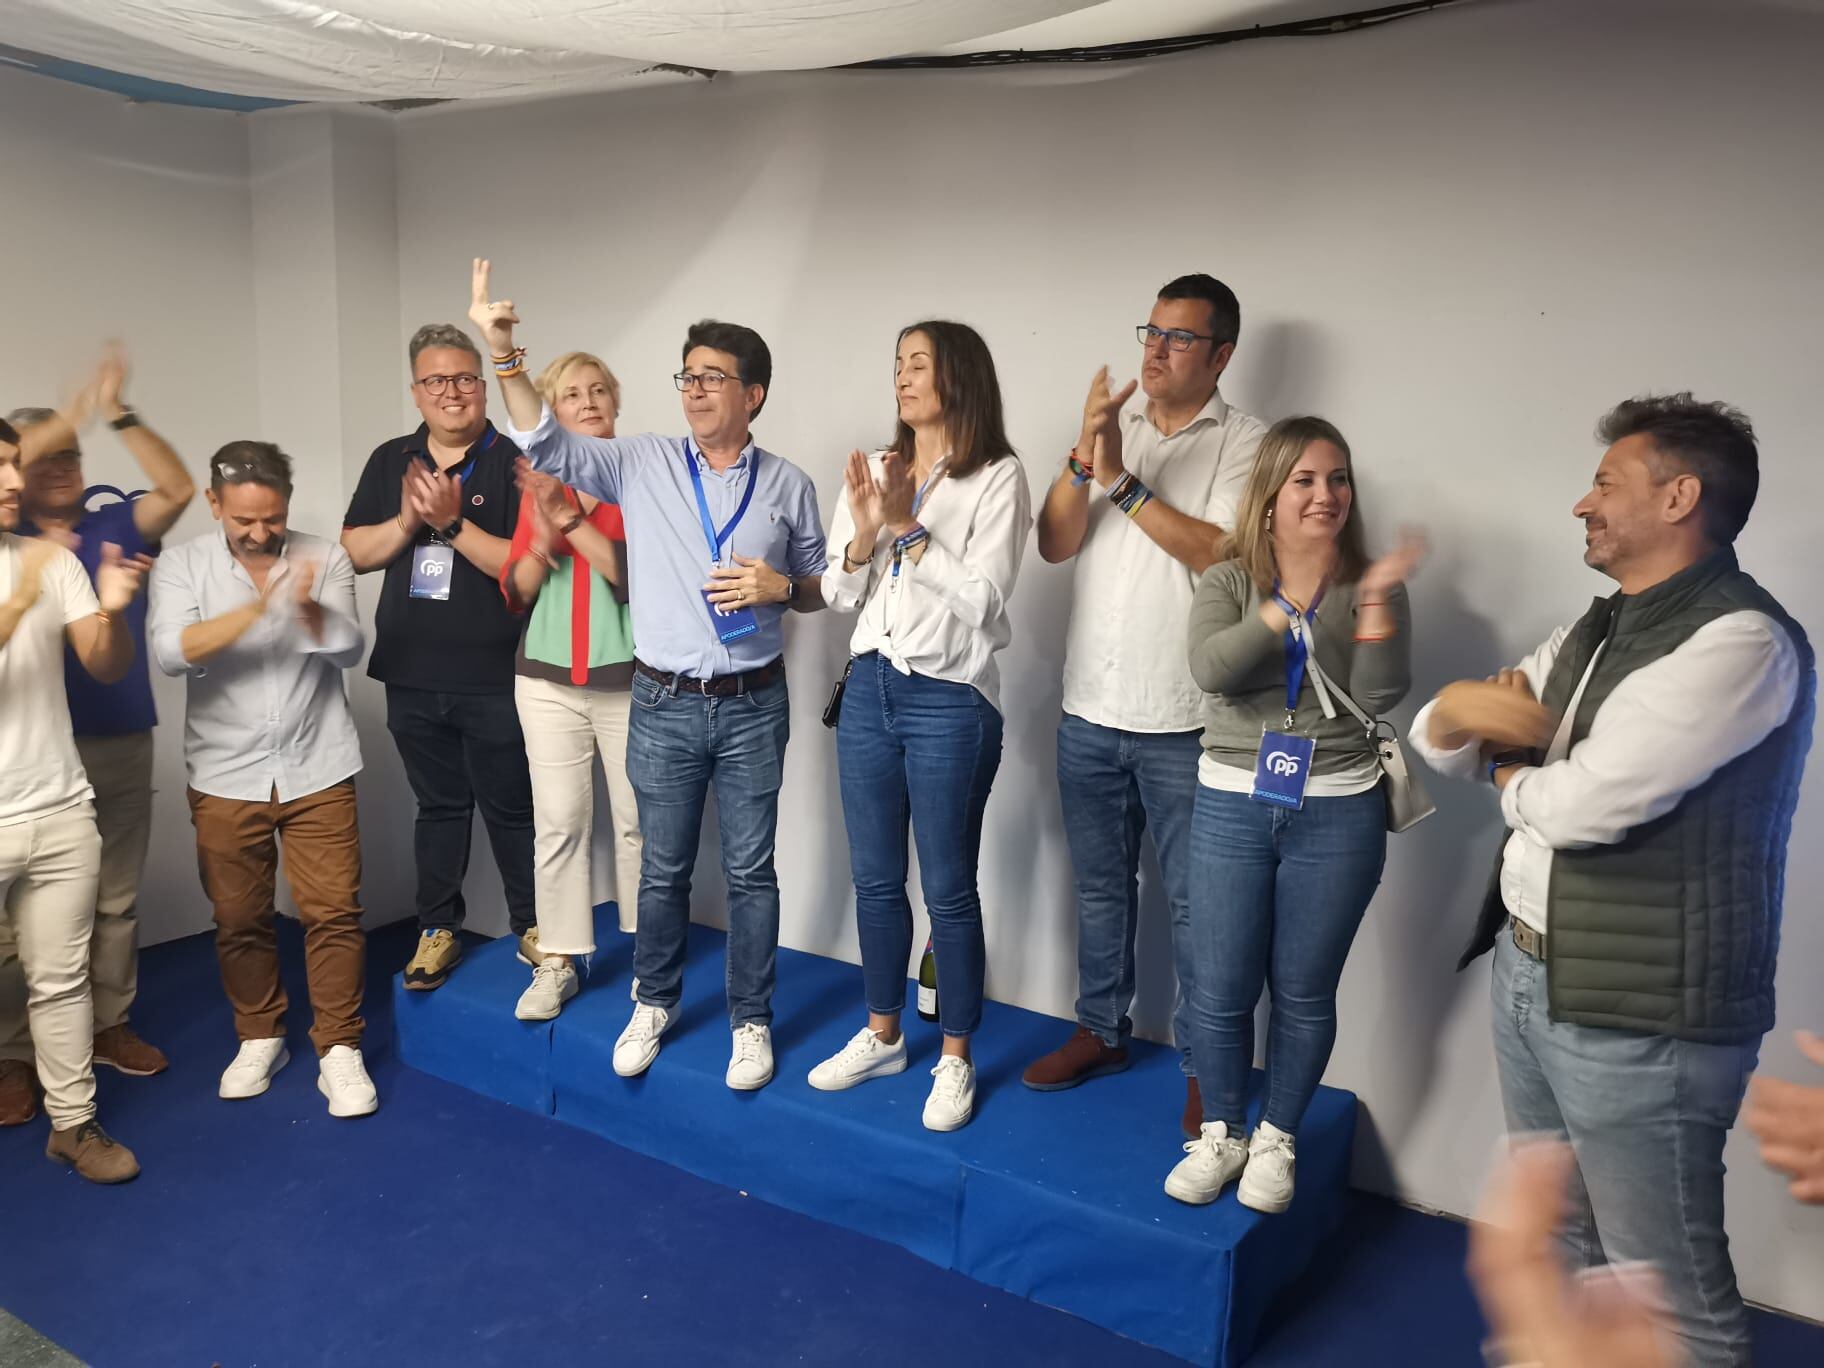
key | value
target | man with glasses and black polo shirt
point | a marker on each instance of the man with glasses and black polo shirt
(435, 510)
(1143, 517)
(708, 516)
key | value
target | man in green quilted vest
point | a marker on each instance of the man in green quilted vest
(1647, 760)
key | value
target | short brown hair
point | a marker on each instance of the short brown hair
(1250, 541)
(248, 462)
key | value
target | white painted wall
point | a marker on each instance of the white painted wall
(131, 221)
(1461, 238)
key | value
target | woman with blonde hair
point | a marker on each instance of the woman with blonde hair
(566, 570)
(1289, 827)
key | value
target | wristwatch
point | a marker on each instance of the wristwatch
(791, 592)
(127, 419)
(1504, 759)
(453, 531)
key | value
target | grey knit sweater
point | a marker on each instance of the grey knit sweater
(1240, 664)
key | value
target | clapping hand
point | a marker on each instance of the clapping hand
(436, 498)
(897, 491)
(864, 499)
(1392, 569)
(1539, 1313)
(1099, 446)
(1500, 710)
(1788, 1120)
(119, 579)
(303, 574)
(495, 317)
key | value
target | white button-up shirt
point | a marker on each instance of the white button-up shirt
(268, 713)
(40, 771)
(944, 617)
(1661, 732)
(1125, 658)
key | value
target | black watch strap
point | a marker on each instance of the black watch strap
(127, 419)
(453, 531)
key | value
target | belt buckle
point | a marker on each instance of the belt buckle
(1527, 940)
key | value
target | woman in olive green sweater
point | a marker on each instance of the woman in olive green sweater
(1287, 843)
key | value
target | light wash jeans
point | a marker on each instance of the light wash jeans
(1646, 1116)
(678, 744)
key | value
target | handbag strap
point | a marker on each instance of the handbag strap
(1318, 675)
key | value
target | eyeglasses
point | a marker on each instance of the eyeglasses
(709, 381)
(1177, 338)
(435, 385)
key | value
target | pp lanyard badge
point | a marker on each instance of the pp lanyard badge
(1282, 768)
(731, 624)
(433, 565)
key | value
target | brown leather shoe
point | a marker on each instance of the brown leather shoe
(18, 1092)
(1192, 1121)
(93, 1153)
(121, 1048)
(1077, 1060)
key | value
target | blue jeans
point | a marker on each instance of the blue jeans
(1647, 1116)
(1277, 897)
(918, 752)
(1113, 784)
(678, 744)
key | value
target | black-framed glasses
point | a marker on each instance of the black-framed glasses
(708, 381)
(435, 385)
(1175, 338)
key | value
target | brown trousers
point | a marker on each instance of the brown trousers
(237, 849)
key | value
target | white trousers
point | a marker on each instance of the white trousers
(47, 898)
(565, 726)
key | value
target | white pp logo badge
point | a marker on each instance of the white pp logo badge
(1282, 764)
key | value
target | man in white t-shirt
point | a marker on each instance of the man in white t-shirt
(1143, 516)
(49, 846)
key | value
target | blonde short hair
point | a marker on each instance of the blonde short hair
(551, 378)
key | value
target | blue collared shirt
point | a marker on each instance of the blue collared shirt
(668, 555)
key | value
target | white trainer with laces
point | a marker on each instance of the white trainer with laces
(1267, 1183)
(750, 1061)
(638, 1045)
(865, 1056)
(553, 984)
(342, 1078)
(1211, 1162)
(254, 1065)
(952, 1099)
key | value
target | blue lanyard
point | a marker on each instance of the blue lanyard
(918, 502)
(1298, 650)
(718, 539)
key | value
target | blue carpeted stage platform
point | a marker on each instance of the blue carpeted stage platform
(1054, 1196)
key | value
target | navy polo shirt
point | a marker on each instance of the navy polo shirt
(465, 643)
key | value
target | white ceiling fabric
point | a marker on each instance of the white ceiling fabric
(469, 49)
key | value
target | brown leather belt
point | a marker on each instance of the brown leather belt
(716, 686)
(1527, 940)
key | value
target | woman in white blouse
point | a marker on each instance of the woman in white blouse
(926, 544)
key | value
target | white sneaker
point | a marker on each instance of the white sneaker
(1267, 1183)
(639, 1043)
(952, 1100)
(553, 984)
(342, 1078)
(251, 1072)
(865, 1056)
(750, 1063)
(1211, 1162)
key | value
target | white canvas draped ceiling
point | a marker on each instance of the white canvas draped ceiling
(468, 49)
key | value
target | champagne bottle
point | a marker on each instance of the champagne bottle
(927, 983)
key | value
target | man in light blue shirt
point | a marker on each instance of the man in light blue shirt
(261, 621)
(708, 518)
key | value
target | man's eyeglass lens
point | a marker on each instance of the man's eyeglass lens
(436, 384)
(1176, 338)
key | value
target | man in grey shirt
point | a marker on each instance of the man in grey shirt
(261, 620)
(708, 516)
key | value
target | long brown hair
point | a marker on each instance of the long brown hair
(1251, 539)
(970, 393)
